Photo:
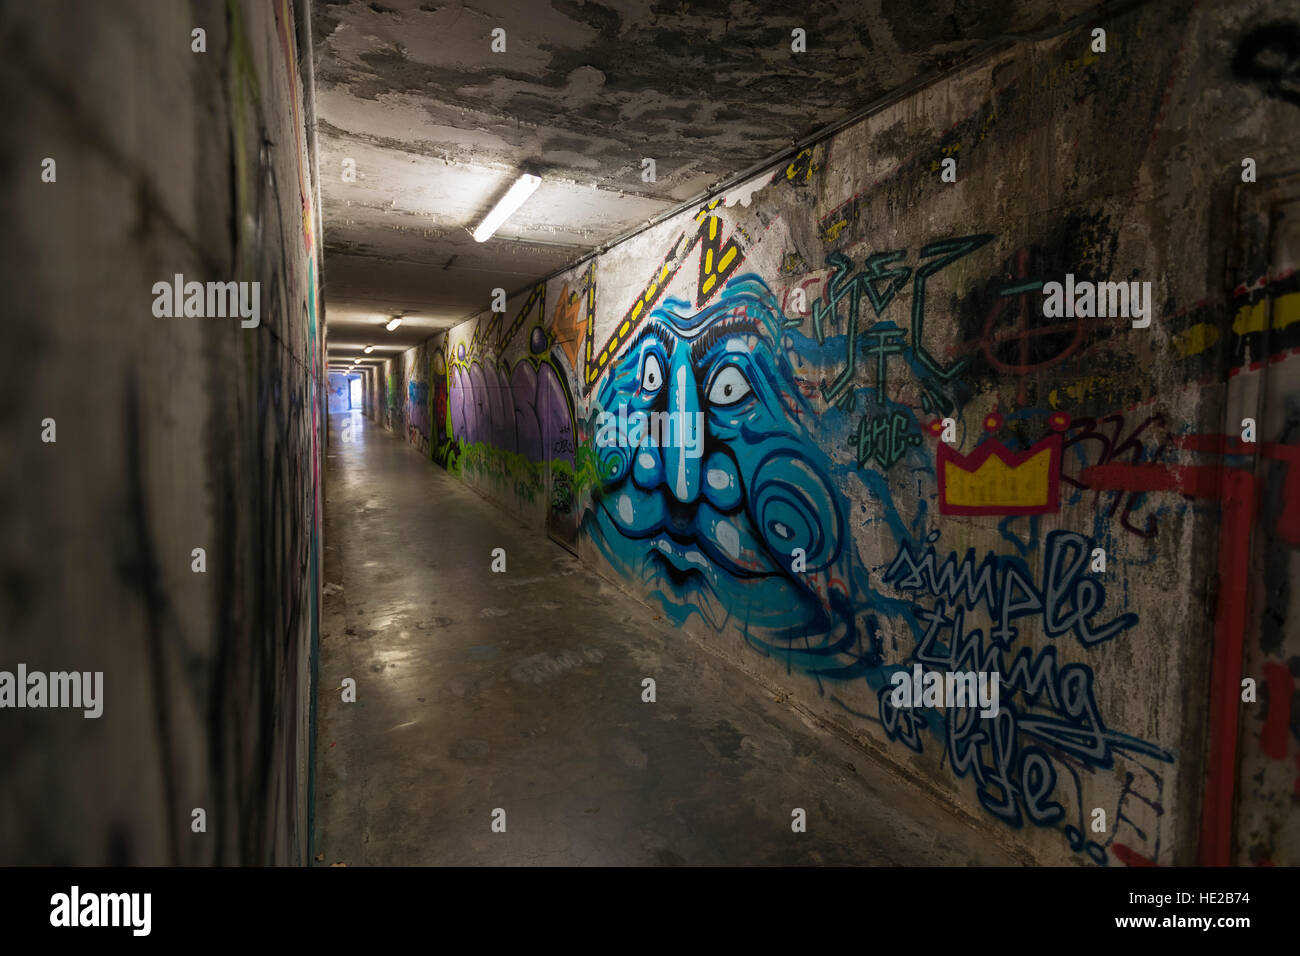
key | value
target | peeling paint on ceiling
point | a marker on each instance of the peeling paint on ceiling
(439, 125)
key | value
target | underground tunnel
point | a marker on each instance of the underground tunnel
(634, 433)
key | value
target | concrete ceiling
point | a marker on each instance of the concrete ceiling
(439, 126)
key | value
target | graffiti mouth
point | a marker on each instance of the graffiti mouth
(686, 549)
(679, 562)
(691, 587)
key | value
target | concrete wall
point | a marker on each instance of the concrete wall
(371, 394)
(171, 433)
(828, 316)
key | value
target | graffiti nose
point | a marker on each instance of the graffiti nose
(684, 444)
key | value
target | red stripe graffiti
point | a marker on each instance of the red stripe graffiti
(1272, 739)
(1236, 490)
(1111, 447)
(1129, 857)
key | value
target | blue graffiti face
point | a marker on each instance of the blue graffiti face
(745, 527)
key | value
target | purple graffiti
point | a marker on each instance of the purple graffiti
(529, 414)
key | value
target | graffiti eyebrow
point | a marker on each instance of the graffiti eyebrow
(653, 328)
(719, 331)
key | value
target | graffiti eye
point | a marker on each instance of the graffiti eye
(729, 387)
(652, 376)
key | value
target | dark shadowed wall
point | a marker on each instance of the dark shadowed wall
(173, 434)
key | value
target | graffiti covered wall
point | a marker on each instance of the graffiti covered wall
(910, 464)
(170, 537)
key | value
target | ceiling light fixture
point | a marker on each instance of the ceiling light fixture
(517, 195)
(393, 323)
(369, 349)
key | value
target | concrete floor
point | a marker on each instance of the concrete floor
(522, 691)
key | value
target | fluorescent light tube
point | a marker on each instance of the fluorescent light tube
(517, 195)
(393, 324)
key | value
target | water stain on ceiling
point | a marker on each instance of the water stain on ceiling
(439, 125)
